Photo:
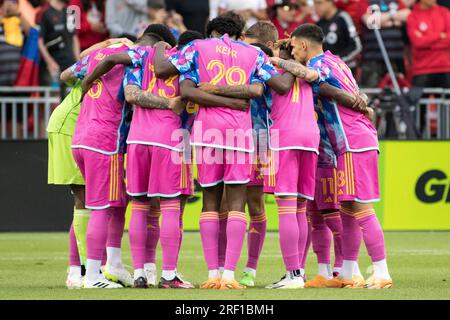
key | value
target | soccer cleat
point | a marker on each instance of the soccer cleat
(74, 281)
(212, 283)
(119, 275)
(180, 277)
(100, 283)
(175, 283)
(151, 275)
(248, 279)
(140, 283)
(270, 286)
(358, 282)
(377, 283)
(230, 285)
(317, 282)
(290, 281)
(338, 283)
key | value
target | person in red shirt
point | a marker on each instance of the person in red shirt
(92, 27)
(428, 28)
(352, 7)
(283, 16)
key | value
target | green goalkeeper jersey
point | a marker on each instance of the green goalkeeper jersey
(64, 117)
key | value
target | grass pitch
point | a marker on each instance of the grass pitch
(33, 266)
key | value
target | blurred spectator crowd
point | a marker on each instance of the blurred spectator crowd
(416, 33)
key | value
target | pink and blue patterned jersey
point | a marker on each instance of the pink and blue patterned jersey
(292, 121)
(327, 157)
(347, 129)
(222, 61)
(103, 120)
(154, 126)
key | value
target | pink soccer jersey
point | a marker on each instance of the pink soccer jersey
(223, 61)
(154, 126)
(101, 123)
(292, 122)
(348, 130)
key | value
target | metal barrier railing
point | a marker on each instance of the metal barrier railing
(24, 112)
(31, 102)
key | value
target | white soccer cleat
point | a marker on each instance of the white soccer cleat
(100, 283)
(289, 281)
(119, 275)
(74, 281)
(151, 276)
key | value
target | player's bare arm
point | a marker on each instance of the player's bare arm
(104, 44)
(238, 91)
(135, 95)
(104, 67)
(68, 77)
(190, 92)
(297, 69)
(282, 83)
(163, 68)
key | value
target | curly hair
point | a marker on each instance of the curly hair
(236, 17)
(161, 31)
(223, 25)
(188, 36)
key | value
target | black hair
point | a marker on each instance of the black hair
(309, 31)
(236, 17)
(162, 32)
(87, 4)
(264, 49)
(223, 25)
(188, 36)
(128, 36)
(152, 4)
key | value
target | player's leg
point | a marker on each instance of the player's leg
(153, 231)
(236, 176)
(169, 178)
(256, 232)
(210, 176)
(360, 174)
(321, 238)
(307, 246)
(305, 189)
(223, 218)
(104, 193)
(209, 232)
(138, 178)
(114, 269)
(74, 279)
(80, 219)
(333, 221)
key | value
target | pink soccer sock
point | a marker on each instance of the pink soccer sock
(137, 232)
(372, 234)
(351, 236)
(181, 233)
(321, 238)
(74, 258)
(302, 222)
(104, 256)
(289, 233)
(308, 243)
(255, 238)
(223, 218)
(153, 231)
(236, 227)
(115, 229)
(334, 223)
(209, 232)
(97, 233)
(170, 233)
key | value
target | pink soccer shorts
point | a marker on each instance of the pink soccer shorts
(291, 172)
(104, 177)
(216, 165)
(357, 177)
(325, 196)
(157, 172)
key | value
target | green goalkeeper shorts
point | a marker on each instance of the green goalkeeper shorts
(62, 168)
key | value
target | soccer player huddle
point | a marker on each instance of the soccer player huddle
(256, 115)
